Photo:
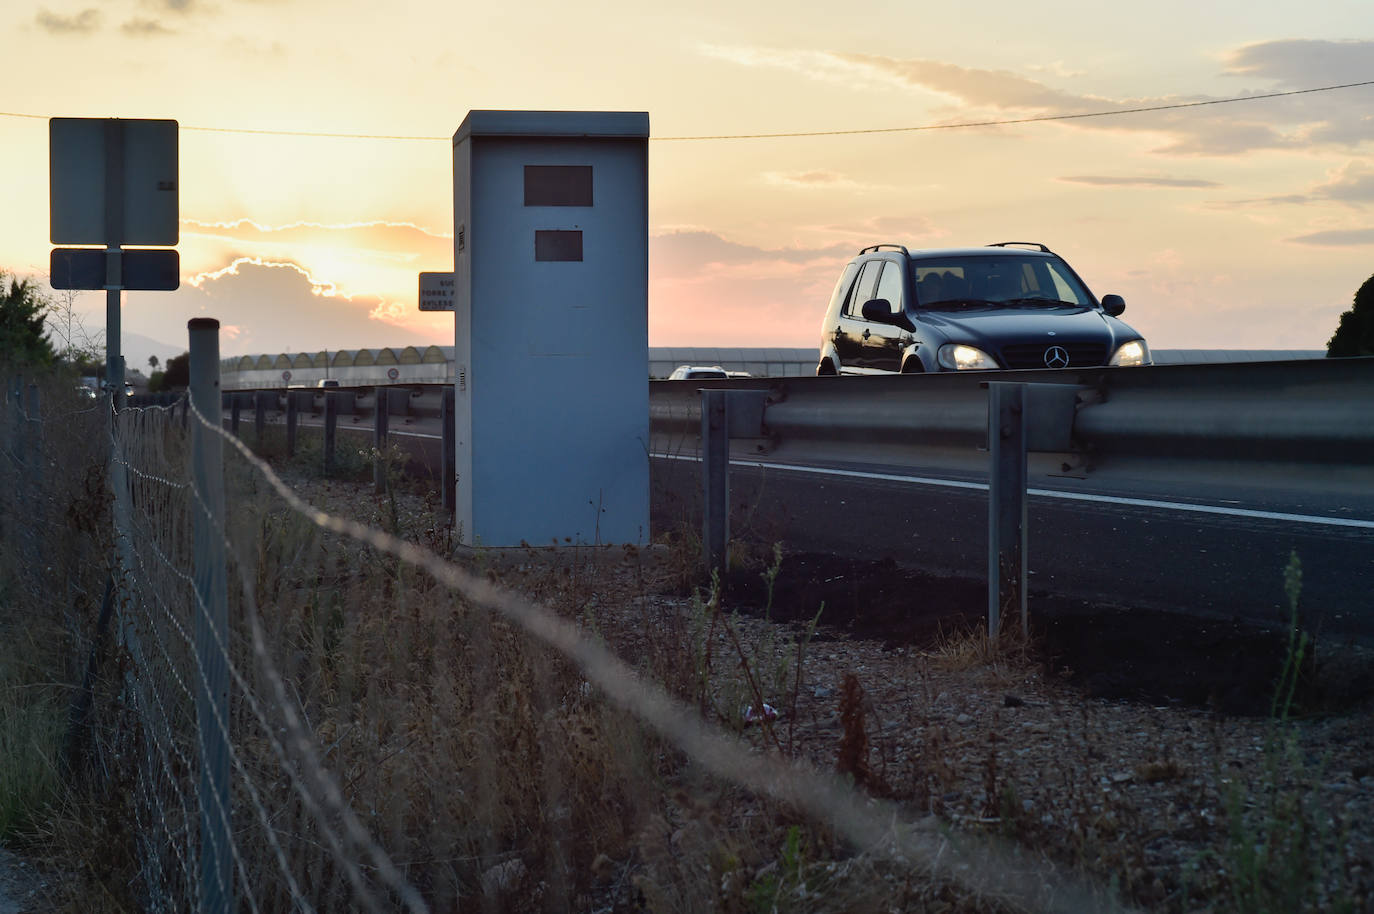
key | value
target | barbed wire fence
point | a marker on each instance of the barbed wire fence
(306, 712)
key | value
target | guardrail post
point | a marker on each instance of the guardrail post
(331, 427)
(235, 407)
(1006, 505)
(259, 418)
(212, 621)
(293, 418)
(715, 469)
(381, 409)
(448, 456)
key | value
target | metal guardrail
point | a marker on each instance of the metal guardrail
(1292, 416)
(1251, 422)
(1310, 414)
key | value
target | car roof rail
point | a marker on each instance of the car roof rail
(877, 246)
(1030, 244)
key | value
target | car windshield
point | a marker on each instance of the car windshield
(949, 283)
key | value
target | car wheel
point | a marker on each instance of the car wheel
(825, 369)
(913, 365)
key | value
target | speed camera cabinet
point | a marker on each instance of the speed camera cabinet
(551, 340)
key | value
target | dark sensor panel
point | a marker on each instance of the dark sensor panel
(557, 245)
(558, 185)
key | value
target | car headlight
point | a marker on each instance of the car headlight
(964, 358)
(1131, 354)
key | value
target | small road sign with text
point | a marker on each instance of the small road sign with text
(436, 291)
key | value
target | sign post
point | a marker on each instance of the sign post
(113, 182)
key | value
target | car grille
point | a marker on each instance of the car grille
(1032, 355)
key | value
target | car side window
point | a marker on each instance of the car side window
(843, 287)
(863, 289)
(890, 286)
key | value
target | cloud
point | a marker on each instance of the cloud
(1137, 181)
(248, 49)
(1302, 63)
(365, 258)
(275, 307)
(1337, 238)
(145, 28)
(1351, 183)
(84, 22)
(1056, 68)
(812, 179)
(707, 290)
(1222, 130)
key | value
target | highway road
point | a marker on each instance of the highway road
(1134, 543)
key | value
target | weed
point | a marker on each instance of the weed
(1280, 844)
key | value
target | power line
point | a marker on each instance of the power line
(804, 133)
(1021, 120)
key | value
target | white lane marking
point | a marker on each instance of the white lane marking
(1052, 493)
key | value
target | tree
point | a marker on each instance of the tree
(70, 338)
(23, 308)
(1355, 333)
(152, 362)
(178, 373)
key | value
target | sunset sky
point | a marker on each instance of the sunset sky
(1244, 225)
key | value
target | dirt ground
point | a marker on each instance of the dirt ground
(1108, 652)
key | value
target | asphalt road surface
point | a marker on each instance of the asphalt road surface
(1132, 544)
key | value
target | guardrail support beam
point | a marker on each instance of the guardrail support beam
(1006, 505)
(723, 413)
(381, 413)
(235, 408)
(331, 428)
(293, 418)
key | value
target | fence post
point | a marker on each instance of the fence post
(212, 620)
(1006, 505)
(235, 407)
(715, 456)
(331, 424)
(381, 409)
(293, 416)
(448, 456)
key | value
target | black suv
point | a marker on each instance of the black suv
(1008, 305)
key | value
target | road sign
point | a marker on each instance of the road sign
(286, 375)
(436, 291)
(112, 181)
(393, 373)
(84, 268)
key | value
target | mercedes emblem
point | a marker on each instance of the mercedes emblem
(1056, 357)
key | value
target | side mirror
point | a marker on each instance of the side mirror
(1112, 304)
(879, 310)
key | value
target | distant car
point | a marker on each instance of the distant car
(327, 382)
(697, 372)
(1008, 305)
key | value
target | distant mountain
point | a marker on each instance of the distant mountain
(136, 348)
